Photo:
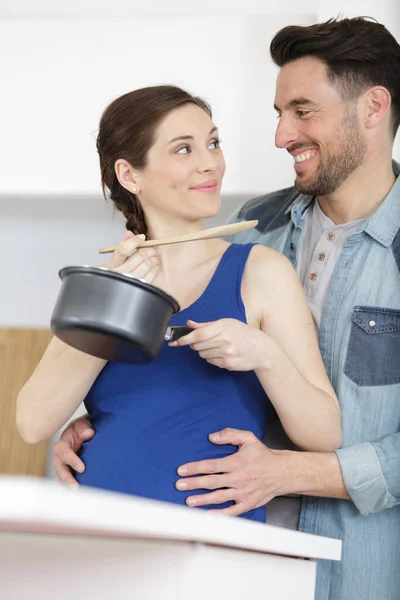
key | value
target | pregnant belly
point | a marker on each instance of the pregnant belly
(143, 461)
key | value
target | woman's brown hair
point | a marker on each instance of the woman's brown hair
(127, 131)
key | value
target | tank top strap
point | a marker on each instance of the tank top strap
(225, 286)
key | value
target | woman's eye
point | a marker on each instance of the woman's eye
(215, 144)
(184, 149)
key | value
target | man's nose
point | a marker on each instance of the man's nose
(286, 133)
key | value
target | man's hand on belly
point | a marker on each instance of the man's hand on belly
(255, 474)
(251, 477)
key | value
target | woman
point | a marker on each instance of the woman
(253, 340)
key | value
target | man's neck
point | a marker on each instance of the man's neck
(361, 194)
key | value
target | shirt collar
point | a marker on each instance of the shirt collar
(298, 208)
(384, 222)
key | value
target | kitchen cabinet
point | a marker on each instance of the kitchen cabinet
(20, 352)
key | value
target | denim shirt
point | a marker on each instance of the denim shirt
(360, 345)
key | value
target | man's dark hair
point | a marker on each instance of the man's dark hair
(359, 53)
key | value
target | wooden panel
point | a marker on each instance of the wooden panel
(20, 352)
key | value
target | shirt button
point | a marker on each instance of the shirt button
(372, 324)
(321, 256)
(330, 236)
(313, 276)
(292, 246)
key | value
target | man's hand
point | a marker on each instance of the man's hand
(255, 474)
(251, 477)
(65, 455)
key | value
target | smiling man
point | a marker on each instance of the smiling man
(338, 101)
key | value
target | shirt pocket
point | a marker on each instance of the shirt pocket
(373, 354)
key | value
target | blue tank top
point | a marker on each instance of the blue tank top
(149, 419)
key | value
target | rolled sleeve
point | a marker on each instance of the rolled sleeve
(371, 474)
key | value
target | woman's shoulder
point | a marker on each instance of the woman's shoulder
(269, 280)
(269, 274)
(267, 260)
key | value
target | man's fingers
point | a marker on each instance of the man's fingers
(217, 497)
(205, 482)
(66, 455)
(82, 430)
(234, 437)
(206, 467)
(63, 473)
(233, 511)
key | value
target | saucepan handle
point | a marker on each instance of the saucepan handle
(174, 332)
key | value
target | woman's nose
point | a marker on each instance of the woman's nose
(208, 162)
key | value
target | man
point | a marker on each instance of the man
(338, 103)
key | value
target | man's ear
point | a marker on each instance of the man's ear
(377, 106)
(127, 176)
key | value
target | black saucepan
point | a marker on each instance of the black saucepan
(117, 317)
(113, 316)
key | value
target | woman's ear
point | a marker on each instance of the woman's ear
(378, 103)
(127, 176)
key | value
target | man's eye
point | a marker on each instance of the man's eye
(302, 113)
(183, 149)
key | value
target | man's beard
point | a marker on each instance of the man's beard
(347, 152)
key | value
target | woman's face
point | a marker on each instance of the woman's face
(185, 167)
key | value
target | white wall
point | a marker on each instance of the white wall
(43, 9)
(59, 76)
(57, 79)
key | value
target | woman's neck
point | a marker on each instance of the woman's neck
(181, 261)
(187, 268)
(163, 226)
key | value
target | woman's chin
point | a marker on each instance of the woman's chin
(213, 209)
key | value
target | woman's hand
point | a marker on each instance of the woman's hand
(228, 344)
(142, 263)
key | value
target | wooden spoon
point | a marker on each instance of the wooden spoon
(204, 234)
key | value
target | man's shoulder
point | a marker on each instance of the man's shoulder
(270, 210)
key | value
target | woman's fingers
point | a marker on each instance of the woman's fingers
(212, 354)
(210, 345)
(151, 274)
(128, 258)
(125, 250)
(138, 265)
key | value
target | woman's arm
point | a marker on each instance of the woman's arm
(293, 375)
(64, 375)
(279, 343)
(56, 388)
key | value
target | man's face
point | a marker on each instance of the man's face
(317, 128)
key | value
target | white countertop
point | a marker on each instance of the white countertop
(29, 504)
